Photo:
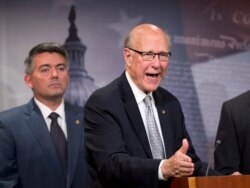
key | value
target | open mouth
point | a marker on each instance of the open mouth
(152, 75)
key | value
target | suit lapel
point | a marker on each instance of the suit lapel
(248, 100)
(134, 115)
(74, 123)
(137, 122)
(248, 105)
(163, 113)
(38, 126)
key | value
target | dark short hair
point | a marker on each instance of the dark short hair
(45, 47)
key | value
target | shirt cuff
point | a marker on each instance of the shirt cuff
(160, 176)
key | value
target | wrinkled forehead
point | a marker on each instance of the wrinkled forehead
(148, 36)
(151, 42)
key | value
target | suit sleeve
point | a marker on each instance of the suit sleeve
(226, 156)
(9, 177)
(107, 150)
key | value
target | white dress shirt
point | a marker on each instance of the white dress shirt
(139, 96)
(60, 111)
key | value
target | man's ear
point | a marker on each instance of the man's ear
(27, 80)
(127, 56)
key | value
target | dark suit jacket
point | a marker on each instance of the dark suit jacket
(118, 150)
(233, 154)
(27, 155)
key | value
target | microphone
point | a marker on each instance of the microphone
(218, 142)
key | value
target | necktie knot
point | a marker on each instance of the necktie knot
(53, 116)
(147, 100)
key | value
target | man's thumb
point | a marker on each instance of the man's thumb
(184, 146)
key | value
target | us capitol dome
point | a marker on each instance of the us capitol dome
(81, 83)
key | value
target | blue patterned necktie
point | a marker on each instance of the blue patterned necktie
(155, 141)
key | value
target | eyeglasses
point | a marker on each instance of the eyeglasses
(149, 56)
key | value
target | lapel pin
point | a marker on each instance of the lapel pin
(77, 122)
(163, 111)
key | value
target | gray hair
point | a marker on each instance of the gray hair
(44, 47)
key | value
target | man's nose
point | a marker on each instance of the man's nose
(156, 61)
(54, 73)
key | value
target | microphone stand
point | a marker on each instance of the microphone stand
(218, 142)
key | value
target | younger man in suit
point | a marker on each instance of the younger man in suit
(41, 142)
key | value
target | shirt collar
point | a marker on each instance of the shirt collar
(47, 111)
(138, 93)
